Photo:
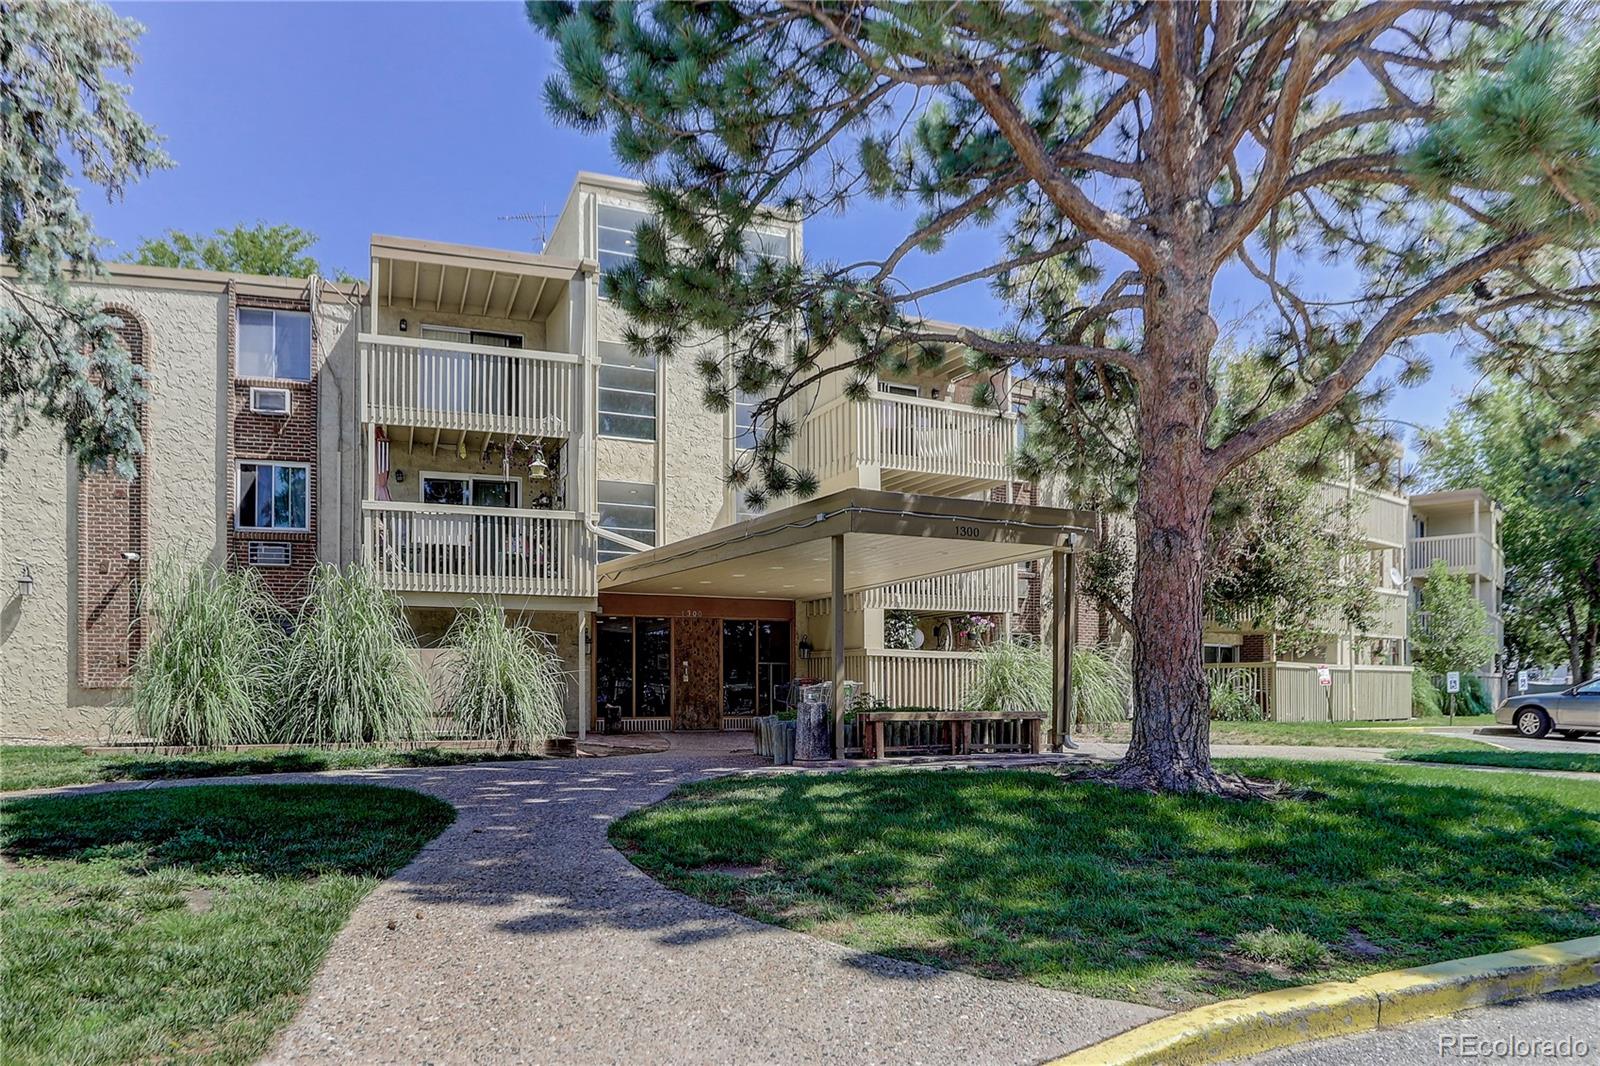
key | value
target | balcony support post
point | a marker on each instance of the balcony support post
(1063, 621)
(838, 645)
(584, 700)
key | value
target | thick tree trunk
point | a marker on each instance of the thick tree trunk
(1171, 745)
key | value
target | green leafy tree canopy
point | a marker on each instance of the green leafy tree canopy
(273, 250)
(1451, 630)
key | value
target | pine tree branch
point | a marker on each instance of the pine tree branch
(1390, 327)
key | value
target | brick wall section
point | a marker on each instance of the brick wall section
(274, 438)
(1255, 648)
(113, 523)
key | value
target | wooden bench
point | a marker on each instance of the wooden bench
(955, 732)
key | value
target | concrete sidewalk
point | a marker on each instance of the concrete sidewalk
(521, 935)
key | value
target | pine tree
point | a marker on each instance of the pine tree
(1444, 158)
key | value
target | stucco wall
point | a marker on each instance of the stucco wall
(39, 694)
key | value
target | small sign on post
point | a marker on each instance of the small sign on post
(1452, 681)
(1324, 676)
(1522, 682)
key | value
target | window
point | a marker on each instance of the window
(633, 668)
(272, 496)
(897, 390)
(1221, 653)
(463, 490)
(269, 401)
(627, 509)
(744, 416)
(627, 402)
(274, 344)
(765, 244)
(616, 227)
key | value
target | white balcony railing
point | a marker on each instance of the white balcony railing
(478, 550)
(1380, 517)
(905, 435)
(939, 679)
(437, 384)
(1469, 553)
(991, 591)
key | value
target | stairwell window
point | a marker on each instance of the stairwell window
(629, 509)
(627, 400)
(274, 345)
(273, 496)
(616, 227)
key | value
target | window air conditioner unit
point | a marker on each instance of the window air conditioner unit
(269, 553)
(269, 401)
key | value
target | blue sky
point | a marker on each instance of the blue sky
(422, 120)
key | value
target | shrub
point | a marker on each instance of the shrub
(1292, 950)
(349, 674)
(1011, 677)
(206, 677)
(1425, 700)
(503, 683)
(1230, 703)
(1102, 683)
(1474, 696)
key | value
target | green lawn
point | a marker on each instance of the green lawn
(1406, 735)
(1520, 760)
(183, 924)
(1165, 900)
(28, 766)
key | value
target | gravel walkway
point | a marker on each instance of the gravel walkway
(521, 935)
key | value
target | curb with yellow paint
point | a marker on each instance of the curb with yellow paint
(1237, 1028)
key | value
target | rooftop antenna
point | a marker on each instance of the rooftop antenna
(541, 219)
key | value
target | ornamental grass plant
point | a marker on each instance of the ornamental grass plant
(206, 676)
(502, 682)
(349, 673)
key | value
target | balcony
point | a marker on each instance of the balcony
(991, 591)
(1463, 553)
(1380, 517)
(423, 548)
(440, 385)
(905, 678)
(915, 445)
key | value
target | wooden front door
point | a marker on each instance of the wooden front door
(697, 673)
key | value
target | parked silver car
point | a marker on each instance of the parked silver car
(1573, 711)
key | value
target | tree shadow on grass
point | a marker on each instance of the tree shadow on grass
(294, 831)
(1079, 885)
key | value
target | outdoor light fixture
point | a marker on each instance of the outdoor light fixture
(404, 325)
(588, 639)
(25, 582)
(805, 647)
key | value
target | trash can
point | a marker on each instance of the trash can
(813, 740)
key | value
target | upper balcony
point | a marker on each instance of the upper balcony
(473, 340)
(435, 384)
(1379, 516)
(989, 591)
(907, 444)
(1463, 553)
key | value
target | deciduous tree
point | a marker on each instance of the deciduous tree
(1441, 160)
(278, 251)
(1510, 440)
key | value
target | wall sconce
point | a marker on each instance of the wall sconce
(398, 476)
(25, 582)
(805, 647)
(588, 639)
(935, 392)
(404, 325)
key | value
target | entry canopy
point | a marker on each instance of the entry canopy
(889, 537)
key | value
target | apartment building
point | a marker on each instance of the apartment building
(471, 424)
(1463, 529)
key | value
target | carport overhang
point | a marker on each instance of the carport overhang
(856, 539)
